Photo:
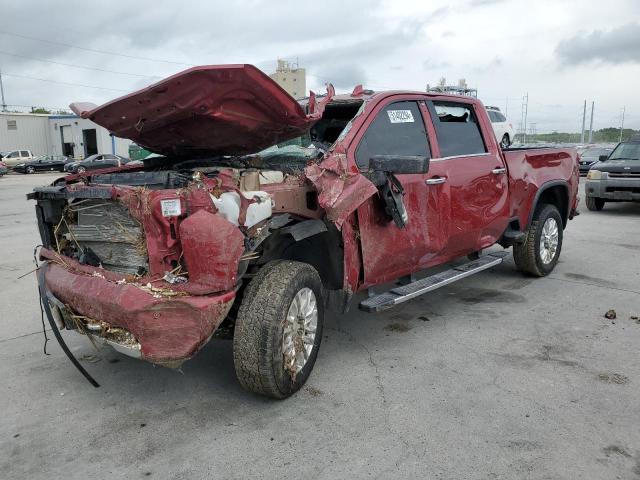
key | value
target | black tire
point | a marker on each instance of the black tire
(29, 170)
(595, 204)
(258, 337)
(81, 170)
(527, 254)
(505, 142)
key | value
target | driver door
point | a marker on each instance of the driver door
(396, 127)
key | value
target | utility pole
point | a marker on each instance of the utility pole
(523, 118)
(621, 124)
(4, 105)
(591, 123)
(584, 118)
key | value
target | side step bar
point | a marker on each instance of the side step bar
(401, 294)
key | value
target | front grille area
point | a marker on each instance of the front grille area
(624, 175)
(623, 189)
(107, 228)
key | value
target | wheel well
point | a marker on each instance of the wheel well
(557, 195)
(323, 251)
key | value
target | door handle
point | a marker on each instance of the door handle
(435, 181)
(499, 171)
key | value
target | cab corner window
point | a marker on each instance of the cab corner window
(397, 129)
(457, 129)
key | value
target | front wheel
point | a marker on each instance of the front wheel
(539, 252)
(595, 204)
(278, 329)
(30, 170)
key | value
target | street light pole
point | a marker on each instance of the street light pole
(4, 105)
(621, 124)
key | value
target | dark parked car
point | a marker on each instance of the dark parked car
(616, 177)
(43, 163)
(591, 156)
(95, 162)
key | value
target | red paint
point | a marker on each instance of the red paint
(205, 111)
(212, 247)
(168, 329)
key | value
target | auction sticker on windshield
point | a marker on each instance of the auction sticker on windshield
(171, 207)
(400, 116)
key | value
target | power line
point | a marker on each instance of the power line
(103, 52)
(78, 66)
(63, 83)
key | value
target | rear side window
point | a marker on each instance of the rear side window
(24, 153)
(398, 129)
(492, 116)
(457, 129)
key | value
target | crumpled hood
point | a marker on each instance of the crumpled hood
(207, 111)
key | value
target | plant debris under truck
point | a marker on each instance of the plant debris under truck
(262, 212)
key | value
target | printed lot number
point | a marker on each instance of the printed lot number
(400, 116)
(171, 208)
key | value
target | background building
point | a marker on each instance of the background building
(292, 78)
(57, 135)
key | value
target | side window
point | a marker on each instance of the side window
(397, 129)
(500, 117)
(457, 129)
(492, 116)
(24, 153)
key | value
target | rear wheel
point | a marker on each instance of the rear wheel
(595, 204)
(278, 329)
(81, 170)
(540, 251)
(505, 142)
(30, 170)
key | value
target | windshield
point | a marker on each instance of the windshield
(626, 151)
(596, 152)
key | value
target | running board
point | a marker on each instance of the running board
(401, 294)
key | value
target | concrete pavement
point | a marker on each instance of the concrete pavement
(499, 376)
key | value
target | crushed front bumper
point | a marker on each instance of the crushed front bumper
(614, 188)
(166, 329)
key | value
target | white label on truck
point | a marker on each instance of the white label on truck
(400, 116)
(171, 208)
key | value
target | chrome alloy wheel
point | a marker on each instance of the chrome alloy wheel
(299, 333)
(549, 241)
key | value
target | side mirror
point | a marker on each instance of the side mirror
(399, 164)
(603, 158)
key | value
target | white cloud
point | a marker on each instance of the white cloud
(505, 48)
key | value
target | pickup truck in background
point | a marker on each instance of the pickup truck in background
(263, 212)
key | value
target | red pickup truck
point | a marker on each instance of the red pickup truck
(261, 212)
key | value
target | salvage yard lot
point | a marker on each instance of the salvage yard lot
(498, 376)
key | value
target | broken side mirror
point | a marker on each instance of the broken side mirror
(603, 158)
(382, 170)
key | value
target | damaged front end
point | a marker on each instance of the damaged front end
(149, 269)
(152, 260)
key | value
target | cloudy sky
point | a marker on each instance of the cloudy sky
(560, 52)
